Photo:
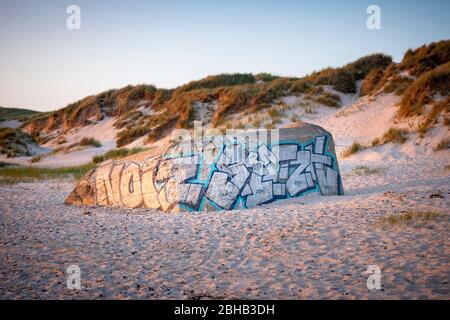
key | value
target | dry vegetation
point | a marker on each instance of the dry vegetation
(444, 144)
(409, 218)
(427, 72)
(433, 116)
(372, 81)
(14, 142)
(394, 135)
(397, 84)
(170, 109)
(16, 174)
(16, 114)
(343, 79)
(426, 58)
(146, 111)
(421, 77)
(354, 148)
(364, 170)
(85, 142)
(423, 90)
(116, 154)
(90, 142)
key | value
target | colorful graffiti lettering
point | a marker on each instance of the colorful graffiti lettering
(238, 177)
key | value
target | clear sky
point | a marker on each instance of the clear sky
(44, 65)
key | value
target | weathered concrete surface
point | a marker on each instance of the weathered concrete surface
(241, 169)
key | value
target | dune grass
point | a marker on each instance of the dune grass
(371, 82)
(364, 170)
(397, 84)
(409, 218)
(444, 144)
(426, 57)
(343, 79)
(116, 154)
(6, 164)
(16, 174)
(423, 90)
(14, 142)
(90, 142)
(432, 116)
(174, 108)
(354, 148)
(294, 118)
(16, 114)
(394, 135)
(375, 142)
(36, 158)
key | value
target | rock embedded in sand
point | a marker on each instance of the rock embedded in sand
(241, 169)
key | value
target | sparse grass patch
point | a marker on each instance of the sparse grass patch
(394, 135)
(222, 80)
(308, 107)
(354, 148)
(90, 142)
(397, 84)
(432, 116)
(328, 99)
(127, 136)
(160, 131)
(61, 149)
(444, 144)
(276, 122)
(257, 122)
(116, 154)
(294, 118)
(375, 142)
(447, 121)
(266, 77)
(16, 174)
(284, 107)
(364, 170)
(408, 218)
(319, 95)
(239, 125)
(310, 110)
(274, 113)
(16, 114)
(269, 126)
(37, 158)
(6, 164)
(14, 142)
(371, 81)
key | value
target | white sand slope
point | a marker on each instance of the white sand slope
(103, 131)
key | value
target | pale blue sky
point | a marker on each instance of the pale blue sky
(44, 66)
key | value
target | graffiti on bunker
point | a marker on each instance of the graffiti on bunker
(238, 177)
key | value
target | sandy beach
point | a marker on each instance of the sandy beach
(305, 248)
